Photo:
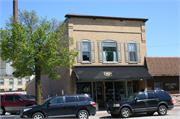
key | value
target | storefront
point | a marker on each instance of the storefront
(109, 83)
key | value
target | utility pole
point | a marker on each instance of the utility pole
(15, 10)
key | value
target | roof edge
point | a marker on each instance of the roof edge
(104, 17)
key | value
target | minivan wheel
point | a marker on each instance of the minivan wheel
(38, 115)
(2, 111)
(162, 110)
(83, 114)
(125, 112)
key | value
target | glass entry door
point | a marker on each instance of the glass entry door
(100, 94)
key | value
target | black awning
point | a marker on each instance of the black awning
(111, 72)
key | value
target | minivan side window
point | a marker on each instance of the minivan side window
(16, 98)
(70, 99)
(151, 95)
(141, 96)
(57, 100)
(9, 98)
(82, 98)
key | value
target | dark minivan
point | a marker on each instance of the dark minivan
(149, 101)
(80, 106)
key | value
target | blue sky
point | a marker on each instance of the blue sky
(162, 28)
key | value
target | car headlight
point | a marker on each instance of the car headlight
(26, 109)
(116, 105)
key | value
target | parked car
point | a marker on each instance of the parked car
(15, 102)
(149, 101)
(80, 106)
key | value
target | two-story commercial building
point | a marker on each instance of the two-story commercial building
(110, 63)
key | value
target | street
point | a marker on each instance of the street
(172, 114)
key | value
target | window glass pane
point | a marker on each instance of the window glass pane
(82, 98)
(9, 98)
(132, 47)
(11, 82)
(120, 93)
(157, 85)
(19, 81)
(112, 44)
(57, 100)
(109, 91)
(132, 56)
(141, 96)
(1, 81)
(85, 56)
(84, 88)
(150, 95)
(27, 80)
(109, 54)
(85, 46)
(16, 98)
(70, 99)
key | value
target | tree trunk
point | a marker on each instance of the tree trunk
(38, 83)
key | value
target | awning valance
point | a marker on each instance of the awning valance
(111, 72)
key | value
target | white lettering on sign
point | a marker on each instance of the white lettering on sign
(171, 85)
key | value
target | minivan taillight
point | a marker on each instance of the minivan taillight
(93, 104)
(171, 100)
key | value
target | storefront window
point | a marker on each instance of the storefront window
(84, 88)
(109, 91)
(120, 91)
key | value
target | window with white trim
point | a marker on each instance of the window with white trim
(132, 52)
(85, 51)
(11, 81)
(19, 81)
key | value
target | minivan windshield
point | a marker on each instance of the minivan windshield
(46, 101)
(130, 97)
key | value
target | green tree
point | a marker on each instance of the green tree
(36, 46)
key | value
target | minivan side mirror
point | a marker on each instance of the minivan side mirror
(48, 104)
(20, 99)
(136, 98)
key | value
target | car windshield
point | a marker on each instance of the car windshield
(46, 101)
(130, 97)
(25, 97)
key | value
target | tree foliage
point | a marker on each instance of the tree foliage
(36, 46)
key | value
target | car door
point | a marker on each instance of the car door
(140, 104)
(9, 103)
(18, 103)
(56, 107)
(152, 101)
(71, 105)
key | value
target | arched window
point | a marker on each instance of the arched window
(86, 52)
(132, 52)
(109, 51)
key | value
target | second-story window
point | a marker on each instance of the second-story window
(85, 51)
(132, 52)
(11, 81)
(19, 81)
(109, 51)
(1, 81)
(27, 80)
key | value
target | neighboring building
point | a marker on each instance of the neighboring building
(110, 64)
(10, 84)
(165, 72)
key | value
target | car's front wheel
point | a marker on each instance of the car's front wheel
(162, 110)
(125, 112)
(83, 114)
(38, 115)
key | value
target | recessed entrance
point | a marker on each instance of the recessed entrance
(100, 94)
